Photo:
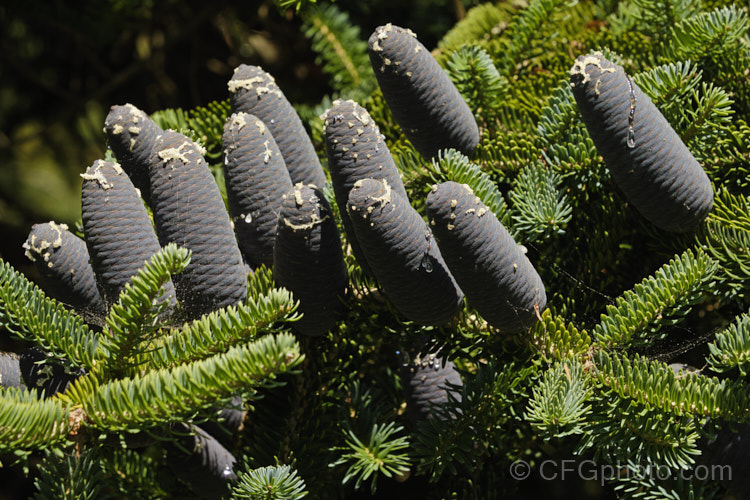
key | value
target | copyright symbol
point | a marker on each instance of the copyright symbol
(520, 470)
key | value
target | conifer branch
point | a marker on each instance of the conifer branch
(655, 385)
(28, 423)
(134, 319)
(658, 300)
(279, 482)
(30, 315)
(558, 406)
(173, 394)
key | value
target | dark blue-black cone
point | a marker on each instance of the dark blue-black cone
(425, 380)
(647, 159)
(498, 279)
(62, 260)
(117, 229)
(46, 375)
(190, 212)
(131, 134)
(208, 468)
(356, 150)
(402, 254)
(308, 259)
(10, 370)
(423, 100)
(256, 180)
(254, 91)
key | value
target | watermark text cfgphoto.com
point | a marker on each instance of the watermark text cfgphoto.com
(588, 470)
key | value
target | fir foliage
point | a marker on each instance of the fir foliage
(133, 320)
(327, 415)
(27, 423)
(342, 53)
(540, 209)
(30, 315)
(171, 395)
(657, 301)
(69, 477)
(558, 404)
(269, 483)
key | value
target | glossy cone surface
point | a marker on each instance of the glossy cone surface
(190, 212)
(420, 95)
(497, 278)
(646, 157)
(118, 230)
(256, 180)
(308, 260)
(254, 91)
(62, 259)
(402, 254)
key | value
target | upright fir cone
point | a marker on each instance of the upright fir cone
(254, 91)
(426, 377)
(208, 468)
(308, 260)
(646, 157)
(117, 228)
(132, 134)
(420, 95)
(62, 260)
(400, 249)
(190, 212)
(256, 181)
(497, 278)
(356, 150)
(10, 370)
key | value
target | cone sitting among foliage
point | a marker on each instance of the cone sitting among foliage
(62, 259)
(189, 211)
(308, 259)
(489, 266)
(428, 378)
(207, 465)
(252, 90)
(356, 150)
(587, 379)
(424, 101)
(117, 229)
(131, 134)
(647, 158)
(256, 180)
(402, 253)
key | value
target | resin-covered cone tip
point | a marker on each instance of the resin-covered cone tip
(254, 91)
(62, 260)
(498, 279)
(308, 259)
(402, 253)
(356, 150)
(118, 229)
(131, 134)
(256, 180)
(647, 158)
(423, 100)
(190, 212)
